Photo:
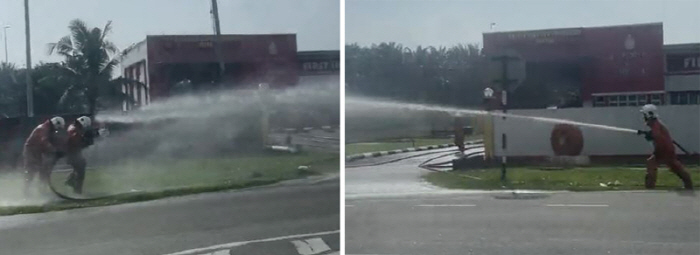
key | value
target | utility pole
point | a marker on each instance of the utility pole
(4, 29)
(217, 37)
(505, 83)
(30, 92)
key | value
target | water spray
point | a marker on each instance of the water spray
(365, 102)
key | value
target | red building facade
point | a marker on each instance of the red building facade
(610, 62)
(164, 60)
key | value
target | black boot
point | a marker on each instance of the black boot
(73, 183)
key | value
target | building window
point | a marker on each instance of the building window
(632, 100)
(656, 99)
(694, 97)
(673, 98)
(683, 98)
(642, 99)
(612, 101)
(622, 100)
(599, 101)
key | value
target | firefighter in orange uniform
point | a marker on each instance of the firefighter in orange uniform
(664, 150)
(80, 136)
(41, 150)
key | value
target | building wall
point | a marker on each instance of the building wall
(612, 59)
(532, 138)
(135, 53)
(683, 82)
(271, 56)
(319, 68)
(134, 67)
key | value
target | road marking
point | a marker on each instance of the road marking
(462, 205)
(311, 246)
(220, 252)
(577, 205)
(236, 244)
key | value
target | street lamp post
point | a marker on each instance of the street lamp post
(28, 72)
(505, 82)
(488, 102)
(4, 30)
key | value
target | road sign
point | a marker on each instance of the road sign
(514, 65)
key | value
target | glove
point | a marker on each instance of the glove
(102, 132)
(647, 134)
(89, 138)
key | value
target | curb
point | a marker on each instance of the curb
(413, 149)
(304, 130)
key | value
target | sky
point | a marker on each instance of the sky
(450, 22)
(316, 22)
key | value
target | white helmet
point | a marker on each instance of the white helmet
(649, 111)
(58, 122)
(84, 121)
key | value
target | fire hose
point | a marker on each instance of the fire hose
(647, 135)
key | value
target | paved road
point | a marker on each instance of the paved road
(393, 175)
(298, 217)
(563, 223)
(390, 210)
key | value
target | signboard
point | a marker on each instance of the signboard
(546, 36)
(327, 66)
(683, 63)
(515, 68)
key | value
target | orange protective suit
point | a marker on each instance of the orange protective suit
(664, 152)
(41, 151)
(78, 139)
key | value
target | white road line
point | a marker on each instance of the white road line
(220, 252)
(311, 246)
(462, 205)
(577, 205)
(236, 244)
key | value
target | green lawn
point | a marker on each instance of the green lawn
(576, 179)
(152, 179)
(169, 174)
(357, 148)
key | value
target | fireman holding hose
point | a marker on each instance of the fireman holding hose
(80, 136)
(664, 150)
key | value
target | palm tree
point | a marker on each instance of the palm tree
(10, 91)
(89, 61)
